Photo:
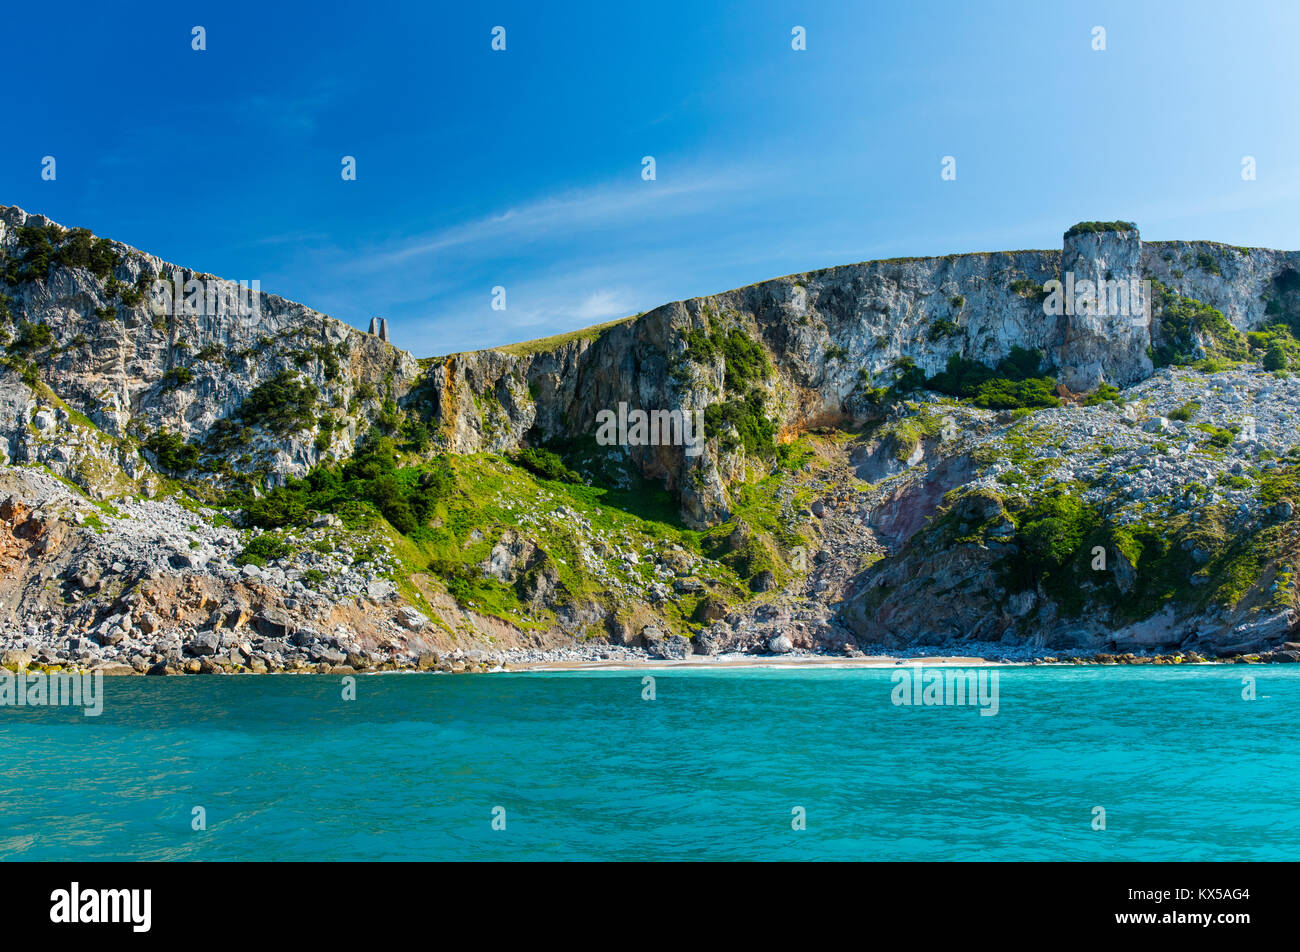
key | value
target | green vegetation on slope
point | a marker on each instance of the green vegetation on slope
(446, 516)
(282, 404)
(908, 431)
(173, 454)
(544, 464)
(1188, 331)
(1051, 542)
(544, 344)
(1014, 384)
(368, 485)
(741, 418)
(39, 248)
(1276, 346)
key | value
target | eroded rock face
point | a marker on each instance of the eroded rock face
(147, 583)
(831, 335)
(964, 569)
(112, 360)
(36, 430)
(1107, 339)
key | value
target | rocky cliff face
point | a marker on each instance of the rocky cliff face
(134, 368)
(833, 335)
(1111, 528)
(894, 516)
(136, 364)
(1105, 339)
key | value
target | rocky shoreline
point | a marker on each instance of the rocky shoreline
(617, 657)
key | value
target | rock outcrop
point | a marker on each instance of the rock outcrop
(136, 367)
(831, 501)
(136, 357)
(833, 335)
(1107, 329)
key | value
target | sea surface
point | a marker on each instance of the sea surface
(577, 765)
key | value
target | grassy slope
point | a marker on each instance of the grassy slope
(582, 538)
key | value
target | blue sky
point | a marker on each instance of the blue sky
(522, 168)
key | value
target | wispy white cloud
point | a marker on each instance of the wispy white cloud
(600, 305)
(568, 260)
(568, 213)
(550, 301)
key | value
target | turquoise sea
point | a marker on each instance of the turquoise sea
(713, 768)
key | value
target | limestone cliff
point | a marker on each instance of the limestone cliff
(135, 365)
(919, 451)
(833, 335)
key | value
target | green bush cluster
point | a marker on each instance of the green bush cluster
(1278, 346)
(225, 436)
(1218, 436)
(943, 327)
(174, 455)
(1013, 384)
(263, 549)
(747, 362)
(177, 377)
(1105, 393)
(742, 421)
(389, 418)
(36, 247)
(81, 249)
(908, 378)
(544, 464)
(1051, 531)
(1052, 548)
(283, 404)
(416, 434)
(1058, 537)
(1084, 227)
(312, 578)
(699, 346)
(41, 247)
(1182, 321)
(907, 432)
(133, 295)
(370, 483)
(1027, 288)
(751, 558)
(325, 354)
(31, 338)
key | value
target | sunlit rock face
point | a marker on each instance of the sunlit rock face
(831, 337)
(1107, 327)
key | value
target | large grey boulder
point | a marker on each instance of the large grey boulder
(274, 623)
(204, 643)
